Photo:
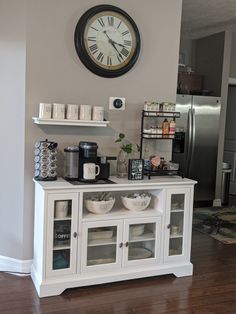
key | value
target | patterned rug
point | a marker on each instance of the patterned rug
(218, 222)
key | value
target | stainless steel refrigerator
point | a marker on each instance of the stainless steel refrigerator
(196, 144)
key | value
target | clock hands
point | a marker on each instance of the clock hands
(118, 44)
(112, 42)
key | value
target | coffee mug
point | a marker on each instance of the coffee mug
(45, 111)
(58, 111)
(61, 210)
(72, 112)
(98, 113)
(85, 112)
(90, 171)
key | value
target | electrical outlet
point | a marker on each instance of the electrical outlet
(116, 103)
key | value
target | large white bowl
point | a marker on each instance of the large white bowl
(99, 207)
(136, 230)
(136, 204)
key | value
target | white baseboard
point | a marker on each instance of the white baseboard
(13, 265)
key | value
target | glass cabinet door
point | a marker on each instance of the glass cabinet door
(177, 208)
(101, 245)
(62, 233)
(143, 240)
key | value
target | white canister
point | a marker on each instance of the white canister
(85, 112)
(72, 112)
(58, 111)
(174, 230)
(45, 110)
(98, 113)
(61, 210)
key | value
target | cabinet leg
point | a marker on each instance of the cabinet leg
(186, 270)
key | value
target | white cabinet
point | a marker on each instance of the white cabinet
(177, 224)
(62, 231)
(121, 243)
(101, 245)
(73, 247)
(142, 241)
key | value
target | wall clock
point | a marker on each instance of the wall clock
(107, 41)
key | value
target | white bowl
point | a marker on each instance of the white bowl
(137, 230)
(99, 207)
(136, 204)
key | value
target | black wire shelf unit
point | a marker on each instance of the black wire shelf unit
(151, 136)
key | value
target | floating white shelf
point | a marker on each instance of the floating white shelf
(70, 122)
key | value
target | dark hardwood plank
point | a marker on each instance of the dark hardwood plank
(212, 289)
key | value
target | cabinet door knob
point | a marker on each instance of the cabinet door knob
(126, 244)
(75, 234)
(168, 226)
(121, 245)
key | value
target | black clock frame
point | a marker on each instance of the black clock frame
(80, 45)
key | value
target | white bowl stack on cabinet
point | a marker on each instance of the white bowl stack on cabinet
(74, 247)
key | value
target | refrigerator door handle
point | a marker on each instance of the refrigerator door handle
(193, 137)
(189, 142)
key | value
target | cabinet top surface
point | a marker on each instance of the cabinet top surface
(173, 181)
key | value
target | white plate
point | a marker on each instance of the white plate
(101, 234)
(139, 253)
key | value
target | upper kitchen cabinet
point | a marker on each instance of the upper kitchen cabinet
(201, 65)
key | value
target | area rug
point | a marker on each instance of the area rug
(219, 223)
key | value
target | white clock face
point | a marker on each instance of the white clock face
(110, 40)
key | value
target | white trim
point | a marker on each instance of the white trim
(12, 265)
(232, 81)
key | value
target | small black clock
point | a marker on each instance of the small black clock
(107, 40)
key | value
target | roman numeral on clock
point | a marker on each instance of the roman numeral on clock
(119, 24)
(125, 33)
(92, 38)
(93, 48)
(100, 57)
(94, 28)
(110, 20)
(120, 58)
(109, 62)
(124, 52)
(127, 43)
(100, 20)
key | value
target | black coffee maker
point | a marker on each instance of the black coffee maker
(87, 154)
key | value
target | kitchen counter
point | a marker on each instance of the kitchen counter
(122, 182)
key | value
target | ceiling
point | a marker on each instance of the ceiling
(205, 17)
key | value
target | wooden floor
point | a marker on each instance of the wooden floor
(212, 289)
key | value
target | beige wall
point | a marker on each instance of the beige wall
(55, 74)
(12, 112)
